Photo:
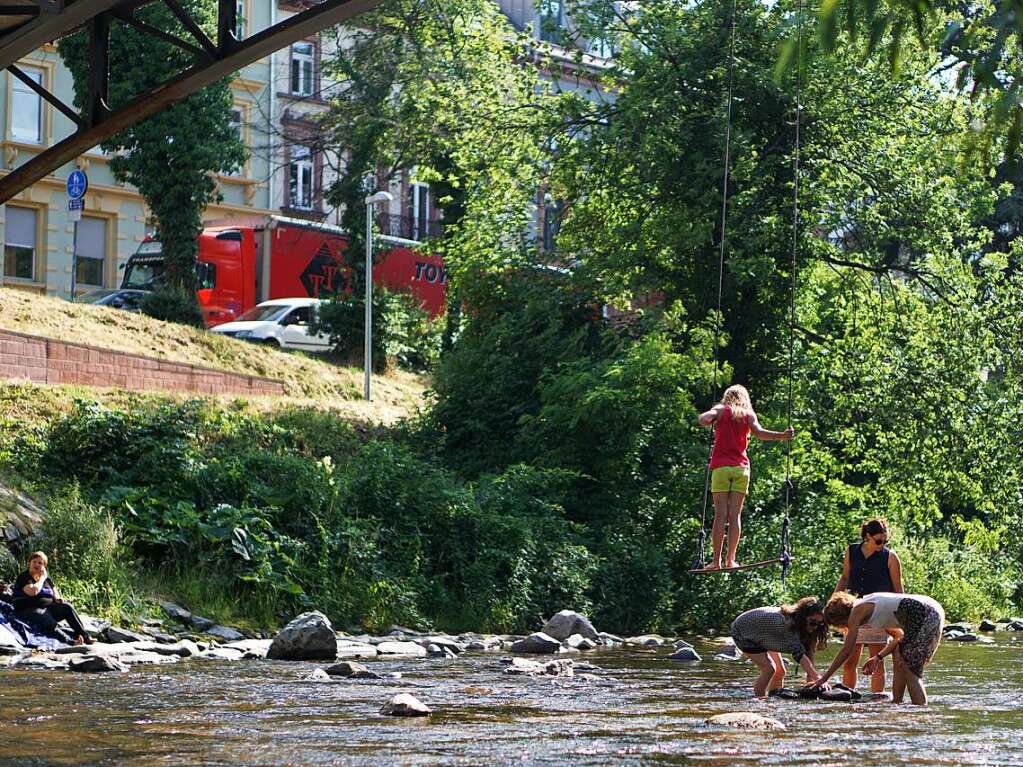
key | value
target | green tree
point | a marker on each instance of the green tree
(440, 86)
(173, 156)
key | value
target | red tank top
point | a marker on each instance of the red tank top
(730, 439)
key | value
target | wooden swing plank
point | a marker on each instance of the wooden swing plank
(749, 566)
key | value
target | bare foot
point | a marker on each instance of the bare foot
(79, 641)
(730, 565)
(712, 566)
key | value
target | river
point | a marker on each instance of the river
(642, 710)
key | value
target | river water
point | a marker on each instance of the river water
(642, 710)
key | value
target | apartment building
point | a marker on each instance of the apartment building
(276, 104)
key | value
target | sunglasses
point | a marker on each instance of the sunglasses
(813, 623)
(880, 541)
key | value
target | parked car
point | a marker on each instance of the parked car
(118, 298)
(284, 322)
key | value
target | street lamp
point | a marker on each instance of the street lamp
(371, 200)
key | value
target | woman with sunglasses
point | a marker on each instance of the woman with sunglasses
(765, 632)
(870, 567)
(916, 618)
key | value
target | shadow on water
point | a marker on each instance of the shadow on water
(642, 709)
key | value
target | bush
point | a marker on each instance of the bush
(402, 330)
(173, 305)
(10, 567)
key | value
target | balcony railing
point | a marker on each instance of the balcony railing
(409, 228)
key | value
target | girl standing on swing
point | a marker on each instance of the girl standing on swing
(733, 420)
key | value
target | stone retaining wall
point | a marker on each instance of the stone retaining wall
(48, 361)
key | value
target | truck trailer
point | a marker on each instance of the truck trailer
(242, 262)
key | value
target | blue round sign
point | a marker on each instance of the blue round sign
(77, 184)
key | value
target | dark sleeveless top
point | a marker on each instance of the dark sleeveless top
(868, 574)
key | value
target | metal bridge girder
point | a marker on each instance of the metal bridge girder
(213, 61)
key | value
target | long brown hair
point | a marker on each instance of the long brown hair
(796, 614)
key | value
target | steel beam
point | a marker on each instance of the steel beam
(252, 49)
(47, 27)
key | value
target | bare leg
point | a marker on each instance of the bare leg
(763, 662)
(735, 501)
(898, 677)
(877, 680)
(717, 535)
(852, 668)
(778, 680)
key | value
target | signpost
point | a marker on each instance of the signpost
(77, 186)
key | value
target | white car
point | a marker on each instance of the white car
(283, 322)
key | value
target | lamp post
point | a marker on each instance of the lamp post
(371, 200)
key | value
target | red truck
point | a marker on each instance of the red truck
(247, 261)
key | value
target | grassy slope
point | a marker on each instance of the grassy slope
(307, 379)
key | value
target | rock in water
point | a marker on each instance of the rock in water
(115, 635)
(405, 705)
(566, 623)
(318, 675)
(525, 667)
(986, 625)
(401, 648)
(307, 637)
(746, 720)
(225, 633)
(538, 643)
(729, 652)
(177, 612)
(95, 664)
(579, 642)
(1015, 626)
(352, 670)
(685, 654)
(647, 640)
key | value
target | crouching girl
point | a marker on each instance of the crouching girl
(918, 619)
(765, 632)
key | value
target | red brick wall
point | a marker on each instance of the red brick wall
(47, 361)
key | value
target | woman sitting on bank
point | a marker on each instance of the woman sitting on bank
(38, 603)
(765, 632)
(870, 566)
(918, 619)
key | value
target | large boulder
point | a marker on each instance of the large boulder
(177, 612)
(566, 623)
(746, 720)
(986, 625)
(308, 637)
(539, 643)
(346, 649)
(405, 705)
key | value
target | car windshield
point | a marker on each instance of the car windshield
(95, 296)
(263, 313)
(143, 276)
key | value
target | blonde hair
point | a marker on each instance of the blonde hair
(737, 398)
(38, 555)
(838, 608)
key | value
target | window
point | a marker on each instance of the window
(301, 178)
(302, 69)
(299, 316)
(92, 251)
(27, 106)
(419, 201)
(237, 128)
(552, 21)
(602, 47)
(20, 243)
(205, 275)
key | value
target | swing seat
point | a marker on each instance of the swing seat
(749, 566)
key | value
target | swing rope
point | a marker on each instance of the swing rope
(785, 555)
(790, 494)
(701, 561)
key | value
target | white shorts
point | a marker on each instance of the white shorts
(871, 635)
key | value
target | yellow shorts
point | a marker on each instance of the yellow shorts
(730, 479)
